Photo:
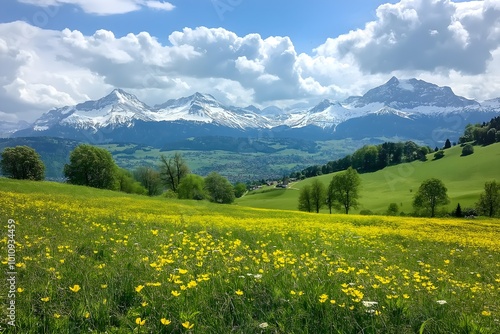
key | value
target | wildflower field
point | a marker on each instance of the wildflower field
(90, 261)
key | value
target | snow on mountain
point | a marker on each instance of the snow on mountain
(493, 104)
(410, 94)
(8, 127)
(406, 99)
(205, 108)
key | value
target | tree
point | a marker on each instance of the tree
(192, 187)
(149, 179)
(305, 200)
(447, 144)
(489, 200)
(22, 163)
(127, 183)
(467, 150)
(317, 194)
(345, 189)
(219, 189)
(239, 189)
(458, 211)
(431, 193)
(173, 170)
(91, 166)
(438, 155)
(393, 209)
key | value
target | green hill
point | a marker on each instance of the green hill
(463, 176)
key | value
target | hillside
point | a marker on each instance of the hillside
(463, 176)
(97, 261)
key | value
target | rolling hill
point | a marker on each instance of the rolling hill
(463, 176)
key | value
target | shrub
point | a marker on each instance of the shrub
(468, 149)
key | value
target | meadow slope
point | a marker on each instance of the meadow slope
(463, 176)
(104, 262)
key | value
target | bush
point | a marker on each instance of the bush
(468, 149)
(438, 155)
(393, 209)
(366, 212)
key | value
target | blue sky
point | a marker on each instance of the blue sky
(61, 52)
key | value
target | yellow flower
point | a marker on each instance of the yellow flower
(323, 298)
(155, 232)
(192, 284)
(20, 290)
(45, 299)
(139, 288)
(86, 315)
(182, 271)
(104, 286)
(486, 313)
(144, 304)
(187, 325)
(406, 296)
(165, 321)
(75, 288)
(57, 315)
(140, 322)
(175, 293)
(239, 292)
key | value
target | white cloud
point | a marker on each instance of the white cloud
(105, 7)
(453, 44)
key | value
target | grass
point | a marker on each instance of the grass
(103, 262)
(463, 176)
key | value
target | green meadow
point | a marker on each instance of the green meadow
(464, 178)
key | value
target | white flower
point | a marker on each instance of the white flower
(441, 302)
(263, 325)
(369, 304)
(257, 276)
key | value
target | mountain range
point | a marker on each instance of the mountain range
(406, 109)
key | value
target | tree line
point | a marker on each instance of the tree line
(94, 167)
(369, 158)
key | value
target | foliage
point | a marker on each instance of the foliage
(392, 209)
(91, 166)
(447, 144)
(345, 189)
(438, 155)
(305, 199)
(431, 194)
(192, 186)
(149, 179)
(458, 211)
(109, 262)
(489, 200)
(370, 158)
(239, 189)
(482, 134)
(173, 170)
(219, 189)
(22, 163)
(127, 183)
(468, 149)
(317, 195)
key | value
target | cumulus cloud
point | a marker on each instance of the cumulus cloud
(105, 7)
(427, 35)
(453, 44)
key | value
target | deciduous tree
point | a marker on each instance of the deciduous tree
(345, 189)
(23, 163)
(305, 199)
(489, 200)
(431, 194)
(91, 166)
(219, 189)
(172, 170)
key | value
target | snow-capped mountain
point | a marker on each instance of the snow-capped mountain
(204, 108)
(116, 109)
(406, 108)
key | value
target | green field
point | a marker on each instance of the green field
(93, 261)
(463, 176)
